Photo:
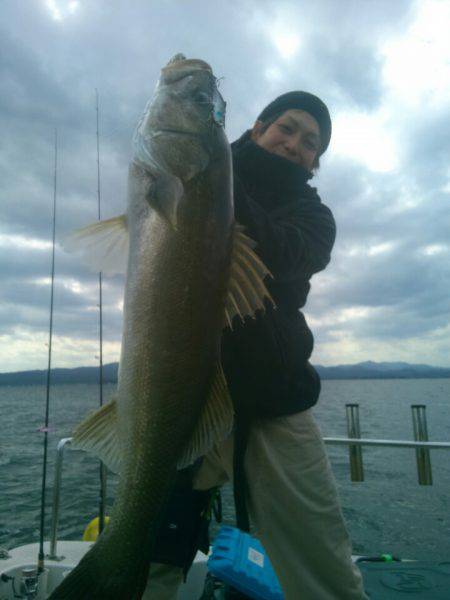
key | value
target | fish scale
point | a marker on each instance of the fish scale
(173, 317)
(172, 402)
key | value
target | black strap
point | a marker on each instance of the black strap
(184, 523)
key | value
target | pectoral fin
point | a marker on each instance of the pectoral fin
(166, 195)
(102, 245)
(165, 191)
(247, 289)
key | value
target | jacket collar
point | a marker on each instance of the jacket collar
(264, 173)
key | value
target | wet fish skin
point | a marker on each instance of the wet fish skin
(180, 221)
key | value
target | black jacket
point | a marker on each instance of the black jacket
(266, 360)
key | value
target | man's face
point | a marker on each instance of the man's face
(295, 135)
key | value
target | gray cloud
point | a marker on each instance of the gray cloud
(354, 69)
(427, 148)
(50, 70)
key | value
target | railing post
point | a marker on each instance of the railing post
(355, 452)
(56, 493)
(421, 435)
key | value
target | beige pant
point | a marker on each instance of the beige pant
(294, 510)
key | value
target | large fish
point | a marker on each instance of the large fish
(190, 270)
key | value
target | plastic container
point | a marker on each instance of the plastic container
(240, 561)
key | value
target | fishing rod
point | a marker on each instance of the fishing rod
(45, 429)
(101, 519)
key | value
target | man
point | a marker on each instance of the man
(285, 480)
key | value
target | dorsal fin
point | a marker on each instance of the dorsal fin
(247, 289)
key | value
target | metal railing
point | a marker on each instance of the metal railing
(421, 443)
(353, 441)
(56, 494)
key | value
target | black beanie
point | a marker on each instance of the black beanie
(302, 101)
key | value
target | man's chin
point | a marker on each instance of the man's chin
(291, 160)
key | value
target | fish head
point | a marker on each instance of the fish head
(182, 129)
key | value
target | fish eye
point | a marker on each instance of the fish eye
(202, 97)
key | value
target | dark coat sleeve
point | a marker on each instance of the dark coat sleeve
(297, 237)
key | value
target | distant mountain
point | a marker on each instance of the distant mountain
(363, 370)
(77, 375)
(383, 370)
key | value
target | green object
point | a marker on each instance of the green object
(387, 557)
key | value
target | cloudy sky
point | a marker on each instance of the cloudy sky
(383, 69)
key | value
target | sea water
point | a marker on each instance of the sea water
(388, 512)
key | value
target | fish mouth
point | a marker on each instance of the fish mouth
(180, 61)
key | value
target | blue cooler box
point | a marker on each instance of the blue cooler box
(240, 561)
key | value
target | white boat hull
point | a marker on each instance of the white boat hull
(69, 555)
